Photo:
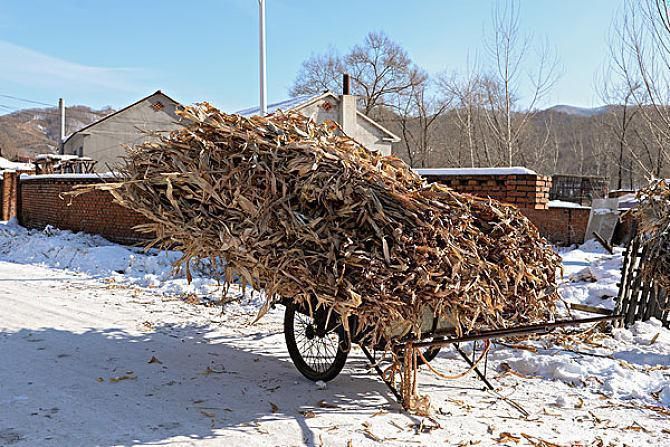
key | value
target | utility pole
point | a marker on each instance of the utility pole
(61, 115)
(261, 44)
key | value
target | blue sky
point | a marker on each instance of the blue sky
(114, 52)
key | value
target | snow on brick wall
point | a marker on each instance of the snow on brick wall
(41, 205)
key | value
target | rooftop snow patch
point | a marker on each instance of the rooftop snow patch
(564, 204)
(102, 175)
(287, 104)
(60, 157)
(16, 166)
(516, 170)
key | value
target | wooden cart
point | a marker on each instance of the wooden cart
(319, 347)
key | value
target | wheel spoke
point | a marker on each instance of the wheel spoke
(319, 353)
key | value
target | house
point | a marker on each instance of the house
(106, 139)
(341, 109)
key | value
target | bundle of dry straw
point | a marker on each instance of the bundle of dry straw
(298, 211)
(653, 220)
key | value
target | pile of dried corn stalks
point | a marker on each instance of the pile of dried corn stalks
(653, 220)
(294, 209)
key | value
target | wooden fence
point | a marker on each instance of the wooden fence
(639, 299)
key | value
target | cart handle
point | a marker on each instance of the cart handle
(541, 328)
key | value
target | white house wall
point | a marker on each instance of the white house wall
(106, 140)
(365, 133)
(369, 136)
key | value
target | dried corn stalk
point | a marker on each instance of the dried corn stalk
(296, 210)
(653, 219)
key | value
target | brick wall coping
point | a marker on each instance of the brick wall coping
(71, 177)
(516, 170)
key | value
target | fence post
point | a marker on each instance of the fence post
(639, 298)
(9, 194)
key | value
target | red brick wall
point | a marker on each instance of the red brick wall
(530, 193)
(561, 226)
(94, 212)
(522, 190)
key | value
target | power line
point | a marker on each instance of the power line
(31, 101)
(42, 112)
(139, 140)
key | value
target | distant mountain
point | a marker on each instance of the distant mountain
(579, 111)
(26, 133)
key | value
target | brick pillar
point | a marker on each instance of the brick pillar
(10, 193)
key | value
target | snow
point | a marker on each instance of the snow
(591, 274)
(106, 347)
(6, 165)
(517, 170)
(98, 258)
(628, 201)
(564, 204)
(580, 111)
(101, 175)
(287, 104)
(624, 368)
(56, 157)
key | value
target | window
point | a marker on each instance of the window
(157, 106)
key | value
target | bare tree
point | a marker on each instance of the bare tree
(467, 95)
(319, 73)
(620, 118)
(380, 68)
(418, 111)
(509, 51)
(640, 53)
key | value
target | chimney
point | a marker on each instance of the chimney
(61, 119)
(345, 84)
(347, 108)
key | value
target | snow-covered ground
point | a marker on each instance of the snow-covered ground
(591, 274)
(101, 345)
(95, 257)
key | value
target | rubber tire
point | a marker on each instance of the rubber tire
(299, 362)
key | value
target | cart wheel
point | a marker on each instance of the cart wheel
(318, 353)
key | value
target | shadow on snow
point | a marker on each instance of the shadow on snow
(55, 387)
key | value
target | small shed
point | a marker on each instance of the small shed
(578, 188)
